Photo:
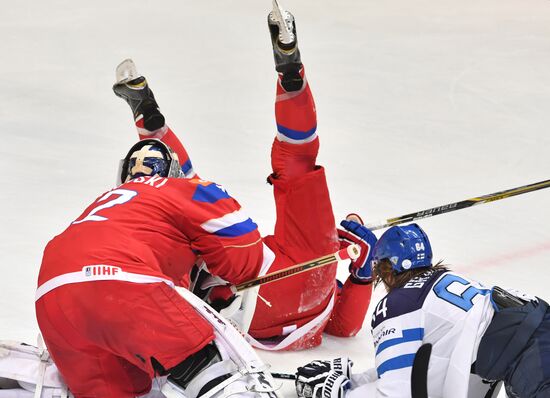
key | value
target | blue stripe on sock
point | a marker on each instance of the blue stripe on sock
(295, 134)
(238, 229)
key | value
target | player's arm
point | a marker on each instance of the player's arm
(397, 337)
(396, 341)
(232, 250)
(354, 298)
(235, 259)
(223, 234)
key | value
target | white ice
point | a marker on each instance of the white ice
(420, 103)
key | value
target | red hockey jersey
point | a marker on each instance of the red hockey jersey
(157, 227)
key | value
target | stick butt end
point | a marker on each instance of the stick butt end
(352, 252)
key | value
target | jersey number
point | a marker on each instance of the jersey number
(124, 196)
(381, 309)
(463, 300)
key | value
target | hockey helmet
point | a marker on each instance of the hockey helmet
(406, 248)
(149, 157)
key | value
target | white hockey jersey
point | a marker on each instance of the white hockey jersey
(442, 308)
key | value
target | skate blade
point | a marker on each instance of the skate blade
(126, 71)
(282, 18)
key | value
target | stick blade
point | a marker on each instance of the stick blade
(419, 374)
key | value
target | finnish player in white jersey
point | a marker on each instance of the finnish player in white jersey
(480, 335)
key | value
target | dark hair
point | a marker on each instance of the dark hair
(383, 272)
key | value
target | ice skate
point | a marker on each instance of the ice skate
(133, 88)
(285, 46)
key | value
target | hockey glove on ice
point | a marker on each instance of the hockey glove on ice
(324, 378)
(354, 232)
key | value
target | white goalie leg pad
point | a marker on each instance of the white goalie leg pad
(33, 370)
(248, 374)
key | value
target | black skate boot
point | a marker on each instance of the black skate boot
(282, 28)
(134, 89)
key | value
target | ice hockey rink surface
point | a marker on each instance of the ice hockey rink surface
(420, 103)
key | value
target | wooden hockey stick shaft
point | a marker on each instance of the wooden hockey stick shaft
(459, 205)
(350, 252)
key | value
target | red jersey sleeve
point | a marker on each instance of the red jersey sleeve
(222, 233)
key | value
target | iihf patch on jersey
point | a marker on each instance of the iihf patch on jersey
(101, 270)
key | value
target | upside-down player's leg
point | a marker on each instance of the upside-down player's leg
(305, 223)
(150, 122)
(305, 226)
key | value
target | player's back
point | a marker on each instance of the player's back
(442, 308)
(150, 225)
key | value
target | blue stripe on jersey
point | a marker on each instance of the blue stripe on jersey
(209, 194)
(186, 166)
(408, 335)
(238, 229)
(295, 134)
(400, 362)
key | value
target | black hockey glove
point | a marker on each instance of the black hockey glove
(324, 378)
(212, 289)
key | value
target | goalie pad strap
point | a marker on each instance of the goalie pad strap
(215, 371)
(32, 368)
(296, 334)
(239, 360)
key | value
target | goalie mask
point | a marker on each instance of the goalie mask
(405, 247)
(149, 157)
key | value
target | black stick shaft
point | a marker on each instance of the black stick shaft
(284, 376)
(419, 373)
(459, 205)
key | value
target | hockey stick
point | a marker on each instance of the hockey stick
(419, 374)
(319, 262)
(459, 205)
(351, 252)
(283, 376)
